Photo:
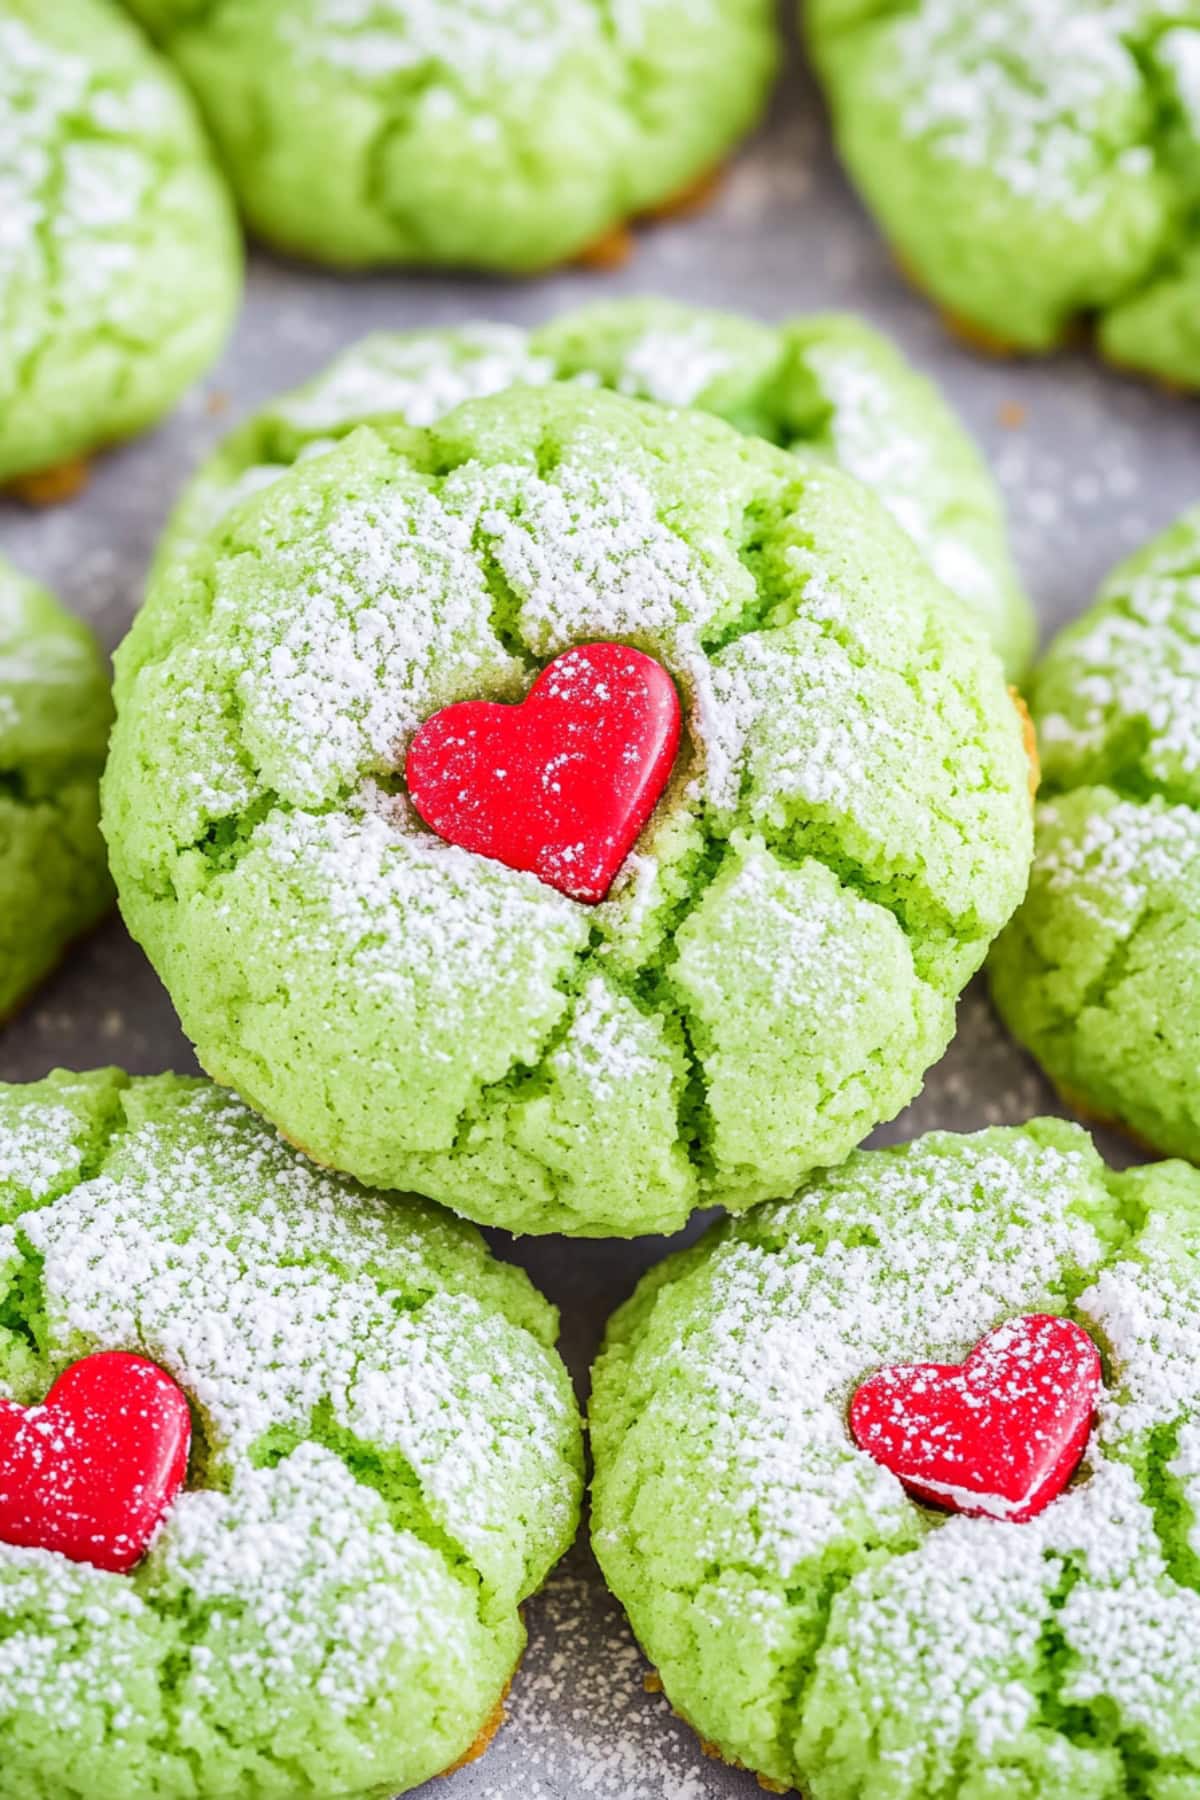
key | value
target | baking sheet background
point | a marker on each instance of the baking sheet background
(1091, 465)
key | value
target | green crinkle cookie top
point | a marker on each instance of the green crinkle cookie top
(827, 384)
(846, 828)
(1033, 161)
(1100, 971)
(55, 712)
(808, 1617)
(501, 134)
(386, 1459)
(119, 261)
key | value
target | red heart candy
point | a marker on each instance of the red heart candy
(94, 1469)
(997, 1436)
(563, 783)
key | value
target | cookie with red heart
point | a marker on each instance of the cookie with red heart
(385, 1452)
(999, 1435)
(861, 1574)
(578, 812)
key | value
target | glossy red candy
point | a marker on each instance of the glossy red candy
(93, 1470)
(999, 1435)
(562, 784)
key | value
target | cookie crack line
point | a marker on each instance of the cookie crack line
(630, 1393)
(109, 1133)
(1166, 1500)
(1086, 1724)
(389, 1472)
(227, 838)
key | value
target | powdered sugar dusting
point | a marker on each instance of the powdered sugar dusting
(117, 257)
(417, 378)
(1118, 698)
(45, 1152)
(385, 584)
(309, 1323)
(876, 438)
(483, 42)
(939, 1627)
(1109, 860)
(610, 1042)
(59, 199)
(385, 579)
(465, 933)
(587, 556)
(674, 367)
(1024, 91)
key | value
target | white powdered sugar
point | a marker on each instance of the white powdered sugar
(1138, 661)
(674, 366)
(477, 942)
(941, 1639)
(351, 1589)
(1026, 91)
(483, 51)
(36, 1158)
(1109, 860)
(481, 44)
(588, 557)
(389, 584)
(875, 439)
(79, 162)
(609, 1043)
(416, 377)
(308, 1323)
(1178, 53)
(797, 721)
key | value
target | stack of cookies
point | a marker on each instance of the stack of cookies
(565, 778)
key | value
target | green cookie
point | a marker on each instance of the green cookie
(846, 828)
(829, 384)
(119, 259)
(1032, 161)
(55, 712)
(386, 1459)
(498, 134)
(1099, 973)
(809, 1618)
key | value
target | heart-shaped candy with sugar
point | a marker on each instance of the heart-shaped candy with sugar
(562, 784)
(999, 1435)
(94, 1469)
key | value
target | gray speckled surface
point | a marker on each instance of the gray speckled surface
(1091, 464)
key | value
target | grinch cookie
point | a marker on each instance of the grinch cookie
(826, 384)
(119, 261)
(504, 136)
(1033, 162)
(1099, 973)
(55, 712)
(762, 1441)
(566, 1043)
(385, 1459)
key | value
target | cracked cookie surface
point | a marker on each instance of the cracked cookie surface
(1099, 972)
(55, 713)
(386, 1459)
(807, 1616)
(827, 383)
(847, 826)
(500, 134)
(1034, 162)
(119, 257)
